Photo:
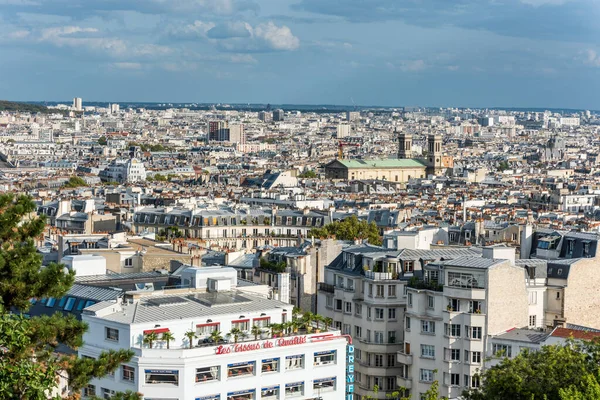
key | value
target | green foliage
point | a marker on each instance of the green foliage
(349, 229)
(102, 141)
(29, 364)
(160, 178)
(503, 166)
(24, 107)
(557, 372)
(167, 337)
(75, 182)
(272, 265)
(308, 174)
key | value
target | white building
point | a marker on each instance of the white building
(343, 130)
(85, 265)
(130, 170)
(303, 366)
(77, 103)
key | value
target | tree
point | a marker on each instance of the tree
(256, 331)
(308, 318)
(190, 335)
(236, 333)
(30, 363)
(150, 338)
(167, 337)
(308, 174)
(75, 182)
(102, 141)
(349, 229)
(328, 321)
(503, 166)
(160, 178)
(216, 336)
(557, 372)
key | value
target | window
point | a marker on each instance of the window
(61, 302)
(426, 375)
(357, 331)
(107, 393)
(379, 313)
(428, 327)
(207, 329)
(379, 360)
(454, 379)
(338, 304)
(454, 330)
(347, 329)
(391, 383)
(70, 304)
(391, 313)
(368, 335)
(294, 389)
(89, 391)
(570, 247)
(557, 295)
(324, 385)
(456, 279)
(379, 291)
(208, 374)
(162, 377)
(128, 373)
(501, 350)
(467, 380)
(476, 332)
(262, 322)
(452, 354)
(409, 299)
(271, 392)
(392, 337)
(475, 307)
(241, 369)
(348, 307)
(241, 324)
(532, 321)
(249, 394)
(427, 351)
(270, 365)
(379, 337)
(368, 312)
(407, 324)
(391, 290)
(50, 302)
(112, 334)
(294, 362)
(391, 360)
(475, 381)
(454, 305)
(129, 262)
(409, 266)
(80, 305)
(430, 302)
(324, 358)
(533, 298)
(358, 309)
(329, 302)
(476, 357)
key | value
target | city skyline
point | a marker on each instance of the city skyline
(523, 53)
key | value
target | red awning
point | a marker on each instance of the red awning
(261, 318)
(239, 321)
(211, 324)
(159, 330)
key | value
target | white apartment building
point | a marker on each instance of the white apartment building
(342, 131)
(451, 315)
(130, 170)
(364, 294)
(301, 365)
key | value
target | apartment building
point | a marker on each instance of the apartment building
(450, 316)
(232, 228)
(244, 366)
(364, 293)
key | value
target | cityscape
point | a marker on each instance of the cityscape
(299, 199)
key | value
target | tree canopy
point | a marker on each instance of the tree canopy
(75, 182)
(557, 372)
(308, 174)
(29, 362)
(349, 229)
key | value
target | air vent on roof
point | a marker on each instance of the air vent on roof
(167, 301)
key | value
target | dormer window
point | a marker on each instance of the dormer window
(570, 247)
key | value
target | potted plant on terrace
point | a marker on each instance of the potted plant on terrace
(167, 337)
(190, 335)
(216, 336)
(256, 331)
(150, 338)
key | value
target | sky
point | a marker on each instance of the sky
(460, 53)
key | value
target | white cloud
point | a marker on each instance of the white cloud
(127, 65)
(197, 29)
(20, 34)
(592, 58)
(276, 37)
(539, 3)
(408, 65)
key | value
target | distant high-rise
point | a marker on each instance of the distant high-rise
(278, 115)
(343, 130)
(265, 116)
(214, 128)
(77, 104)
(114, 108)
(352, 116)
(237, 134)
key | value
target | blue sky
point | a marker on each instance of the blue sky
(520, 53)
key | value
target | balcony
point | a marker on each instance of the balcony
(404, 382)
(326, 287)
(378, 276)
(404, 358)
(422, 285)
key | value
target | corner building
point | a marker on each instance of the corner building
(298, 365)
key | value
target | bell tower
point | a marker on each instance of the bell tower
(404, 146)
(434, 155)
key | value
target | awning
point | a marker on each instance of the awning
(159, 330)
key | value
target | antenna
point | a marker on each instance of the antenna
(353, 103)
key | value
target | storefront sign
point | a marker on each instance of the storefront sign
(267, 344)
(350, 372)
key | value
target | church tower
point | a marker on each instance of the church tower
(434, 155)
(404, 146)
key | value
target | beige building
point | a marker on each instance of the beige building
(394, 170)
